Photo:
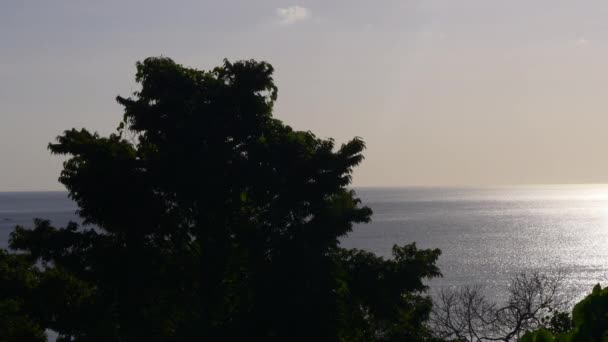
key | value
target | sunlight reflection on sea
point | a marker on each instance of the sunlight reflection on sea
(486, 234)
(489, 234)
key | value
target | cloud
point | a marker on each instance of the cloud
(582, 41)
(292, 14)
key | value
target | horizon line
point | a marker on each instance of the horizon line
(497, 185)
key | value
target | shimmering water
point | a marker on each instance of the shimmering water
(486, 234)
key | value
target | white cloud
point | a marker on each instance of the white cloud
(292, 14)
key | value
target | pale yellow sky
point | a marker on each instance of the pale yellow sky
(469, 92)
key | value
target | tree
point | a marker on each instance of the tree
(380, 299)
(590, 317)
(535, 301)
(17, 281)
(589, 321)
(208, 219)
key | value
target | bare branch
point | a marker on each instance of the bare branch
(466, 314)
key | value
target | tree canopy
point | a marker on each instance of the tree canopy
(589, 322)
(205, 218)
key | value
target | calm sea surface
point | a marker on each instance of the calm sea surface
(486, 234)
(489, 234)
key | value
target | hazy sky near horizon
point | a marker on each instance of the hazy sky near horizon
(467, 92)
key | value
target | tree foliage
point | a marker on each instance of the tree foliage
(17, 282)
(589, 318)
(208, 219)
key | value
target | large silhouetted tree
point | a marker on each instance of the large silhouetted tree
(208, 219)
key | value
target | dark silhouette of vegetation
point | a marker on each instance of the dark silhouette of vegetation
(208, 219)
(589, 322)
(17, 283)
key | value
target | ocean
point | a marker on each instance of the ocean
(486, 235)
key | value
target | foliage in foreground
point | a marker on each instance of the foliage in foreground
(17, 283)
(590, 319)
(208, 219)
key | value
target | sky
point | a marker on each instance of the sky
(467, 92)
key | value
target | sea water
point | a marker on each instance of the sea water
(486, 235)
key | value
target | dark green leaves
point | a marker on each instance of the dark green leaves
(19, 314)
(211, 220)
